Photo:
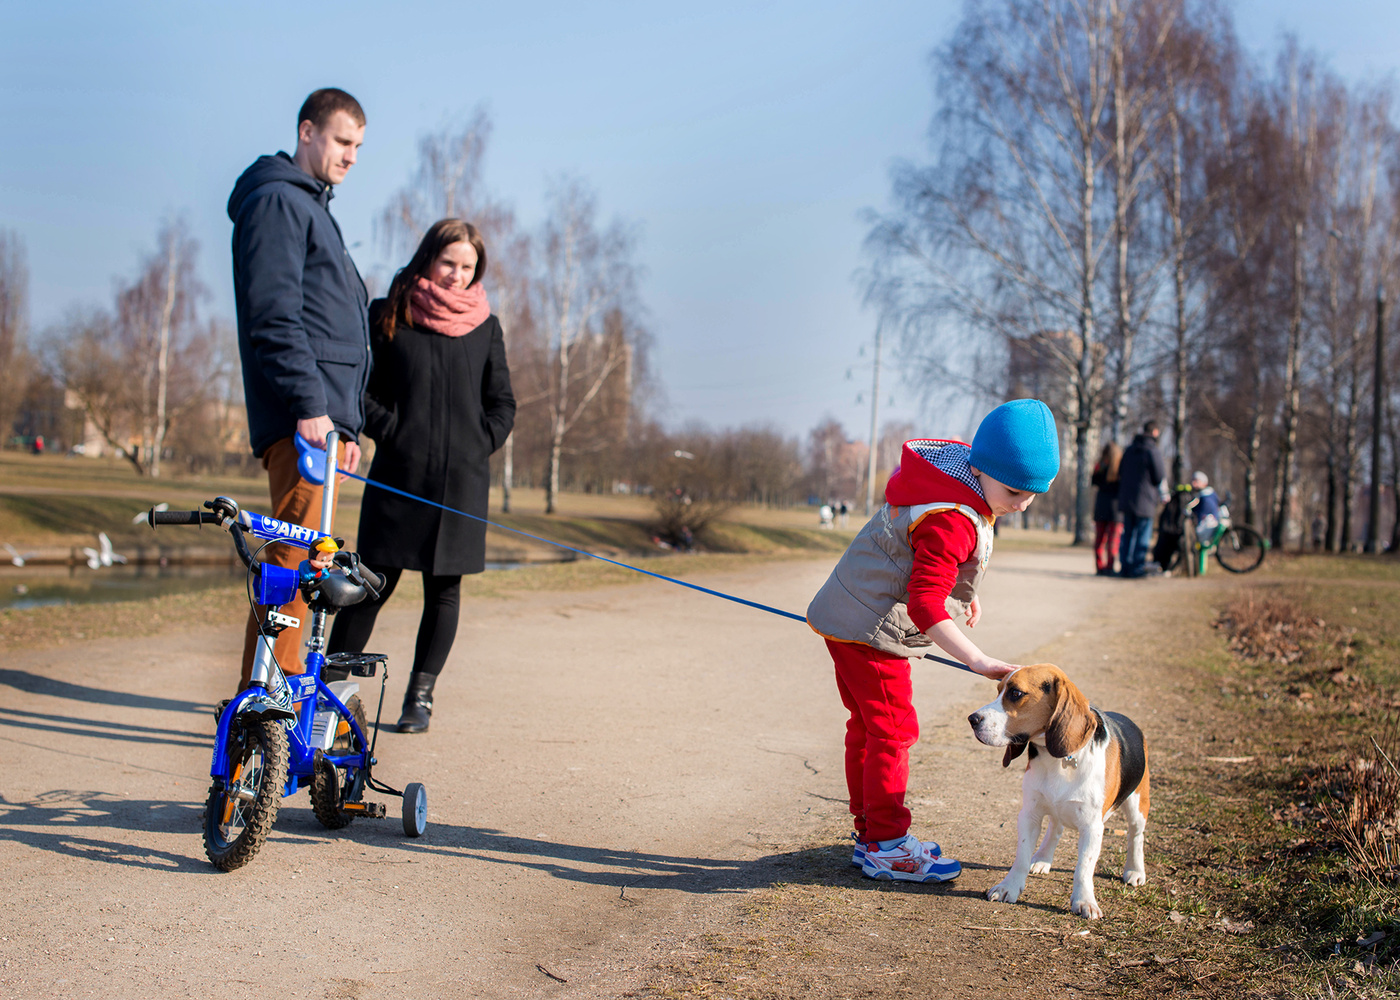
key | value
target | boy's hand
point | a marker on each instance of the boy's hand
(994, 669)
(974, 612)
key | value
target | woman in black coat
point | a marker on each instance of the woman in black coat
(1108, 518)
(438, 404)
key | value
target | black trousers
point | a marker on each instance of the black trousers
(442, 601)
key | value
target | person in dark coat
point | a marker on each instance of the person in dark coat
(1108, 519)
(303, 325)
(1140, 477)
(439, 403)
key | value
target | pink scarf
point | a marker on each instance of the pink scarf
(450, 312)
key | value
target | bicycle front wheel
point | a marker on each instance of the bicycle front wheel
(240, 810)
(1240, 549)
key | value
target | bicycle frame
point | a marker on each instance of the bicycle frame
(308, 689)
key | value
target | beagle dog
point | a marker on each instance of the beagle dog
(1083, 765)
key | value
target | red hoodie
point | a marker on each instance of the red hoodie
(941, 540)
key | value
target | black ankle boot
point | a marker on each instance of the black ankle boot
(417, 703)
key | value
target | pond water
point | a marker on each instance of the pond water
(39, 587)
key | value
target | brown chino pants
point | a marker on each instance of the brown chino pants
(298, 501)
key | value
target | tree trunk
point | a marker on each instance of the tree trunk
(1087, 377)
(1350, 448)
(558, 426)
(1395, 488)
(163, 357)
(1121, 172)
(556, 450)
(507, 471)
(1288, 459)
(1251, 462)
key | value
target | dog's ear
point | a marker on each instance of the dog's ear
(1071, 724)
(1014, 749)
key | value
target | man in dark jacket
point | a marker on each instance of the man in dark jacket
(303, 326)
(1140, 476)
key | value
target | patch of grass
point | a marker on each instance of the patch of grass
(58, 625)
(1245, 840)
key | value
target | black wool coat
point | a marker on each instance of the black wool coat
(436, 407)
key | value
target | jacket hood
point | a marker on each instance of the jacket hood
(917, 480)
(267, 169)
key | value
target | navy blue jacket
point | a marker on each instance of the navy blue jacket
(303, 321)
(1140, 476)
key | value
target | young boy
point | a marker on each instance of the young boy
(909, 572)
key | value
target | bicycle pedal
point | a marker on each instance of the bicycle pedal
(369, 810)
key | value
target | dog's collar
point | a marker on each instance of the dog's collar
(1072, 759)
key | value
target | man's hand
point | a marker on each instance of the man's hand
(974, 612)
(315, 429)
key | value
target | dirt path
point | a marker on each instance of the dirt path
(609, 773)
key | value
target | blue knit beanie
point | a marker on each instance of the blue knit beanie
(1017, 444)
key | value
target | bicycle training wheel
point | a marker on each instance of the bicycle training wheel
(329, 789)
(415, 809)
(1240, 549)
(240, 810)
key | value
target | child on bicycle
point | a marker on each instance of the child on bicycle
(897, 589)
(1206, 506)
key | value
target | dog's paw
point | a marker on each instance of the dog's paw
(1040, 867)
(1086, 908)
(1134, 878)
(1004, 892)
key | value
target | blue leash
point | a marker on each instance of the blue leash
(307, 466)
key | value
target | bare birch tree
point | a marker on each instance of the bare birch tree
(137, 370)
(1004, 236)
(586, 275)
(1299, 115)
(447, 183)
(1198, 77)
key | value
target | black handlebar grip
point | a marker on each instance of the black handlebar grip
(375, 581)
(180, 517)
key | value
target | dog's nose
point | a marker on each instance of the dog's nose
(975, 719)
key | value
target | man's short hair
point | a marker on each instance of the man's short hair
(1150, 427)
(318, 108)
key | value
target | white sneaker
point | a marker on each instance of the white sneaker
(908, 861)
(931, 848)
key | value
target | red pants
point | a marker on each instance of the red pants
(876, 688)
(1106, 537)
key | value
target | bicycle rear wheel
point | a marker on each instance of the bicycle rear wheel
(330, 790)
(1240, 549)
(240, 810)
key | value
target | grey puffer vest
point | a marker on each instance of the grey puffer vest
(867, 595)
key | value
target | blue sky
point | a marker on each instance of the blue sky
(743, 140)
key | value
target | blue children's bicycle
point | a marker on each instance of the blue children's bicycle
(281, 733)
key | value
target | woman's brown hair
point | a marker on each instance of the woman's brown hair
(441, 235)
(1109, 460)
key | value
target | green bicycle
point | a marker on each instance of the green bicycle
(1237, 548)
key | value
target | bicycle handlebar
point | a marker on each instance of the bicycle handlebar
(155, 517)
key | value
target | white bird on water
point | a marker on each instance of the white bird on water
(18, 558)
(102, 556)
